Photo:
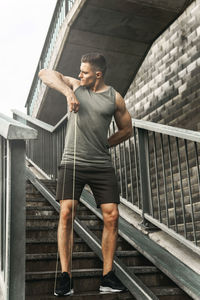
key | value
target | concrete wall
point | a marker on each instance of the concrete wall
(167, 87)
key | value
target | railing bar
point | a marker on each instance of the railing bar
(181, 187)
(190, 191)
(131, 171)
(120, 166)
(114, 149)
(164, 179)
(157, 179)
(149, 174)
(172, 178)
(136, 166)
(125, 170)
(120, 170)
(197, 164)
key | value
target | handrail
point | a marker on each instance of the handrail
(147, 125)
(39, 123)
(169, 130)
(11, 129)
(12, 225)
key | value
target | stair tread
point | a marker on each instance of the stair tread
(31, 207)
(31, 228)
(50, 240)
(76, 273)
(38, 199)
(159, 291)
(33, 217)
(86, 295)
(78, 254)
(88, 217)
(167, 290)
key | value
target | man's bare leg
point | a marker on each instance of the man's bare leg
(110, 232)
(65, 242)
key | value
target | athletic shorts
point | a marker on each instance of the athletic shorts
(102, 181)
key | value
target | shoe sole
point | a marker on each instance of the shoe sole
(67, 294)
(106, 289)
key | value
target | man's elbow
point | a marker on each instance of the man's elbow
(129, 132)
(42, 73)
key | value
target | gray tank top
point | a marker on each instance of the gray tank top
(93, 121)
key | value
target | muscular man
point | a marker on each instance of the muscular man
(94, 104)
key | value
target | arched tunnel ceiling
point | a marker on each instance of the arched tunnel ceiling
(123, 31)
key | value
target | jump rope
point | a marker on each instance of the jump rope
(73, 193)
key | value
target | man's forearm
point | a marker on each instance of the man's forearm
(53, 79)
(119, 137)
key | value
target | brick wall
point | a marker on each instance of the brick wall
(167, 87)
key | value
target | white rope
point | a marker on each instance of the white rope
(73, 194)
(73, 191)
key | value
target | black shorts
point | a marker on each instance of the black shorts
(102, 181)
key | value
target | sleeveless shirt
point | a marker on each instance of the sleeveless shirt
(93, 120)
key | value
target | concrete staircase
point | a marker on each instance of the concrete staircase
(41, 255)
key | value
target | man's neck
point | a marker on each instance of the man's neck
(99, 86)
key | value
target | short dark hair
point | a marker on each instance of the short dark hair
(97, 60)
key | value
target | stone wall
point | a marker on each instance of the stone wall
(167, 87)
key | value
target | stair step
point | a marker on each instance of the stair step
(32, 220)
(44, 245)
(84, 280)
(81, 260)
(169, 293)
(38, 232)
(36, 202)
(92, 295)
(40, 210)
(89, 279)
(80, 254)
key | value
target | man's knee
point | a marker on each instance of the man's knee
(110, 214)
(67, 210)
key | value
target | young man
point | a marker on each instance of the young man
(94, 104)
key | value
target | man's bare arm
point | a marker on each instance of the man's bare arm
(123, 121)
(63, 84)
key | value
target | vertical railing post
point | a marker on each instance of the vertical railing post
(66, 7)
(144, 173)
(16, 184)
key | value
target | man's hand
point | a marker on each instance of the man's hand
(73, 103)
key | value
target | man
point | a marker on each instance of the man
(94, 104)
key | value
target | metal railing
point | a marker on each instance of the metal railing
(46, 151)
(157, 169)
(60, 12)
(12, 225)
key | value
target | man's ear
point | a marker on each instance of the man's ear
(99, 74)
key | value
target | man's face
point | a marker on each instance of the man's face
(87, 75)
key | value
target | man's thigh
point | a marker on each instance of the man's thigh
(67, 187)
(104, 186)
